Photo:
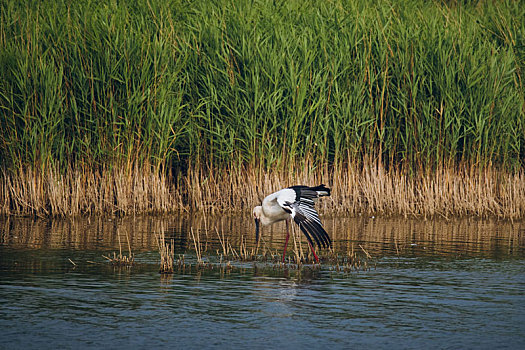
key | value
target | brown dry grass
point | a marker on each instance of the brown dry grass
(120, 259)
(166, 252)
(370, 190)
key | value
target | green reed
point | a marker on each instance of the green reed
(175, 84)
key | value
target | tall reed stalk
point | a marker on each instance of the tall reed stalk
(166, 252)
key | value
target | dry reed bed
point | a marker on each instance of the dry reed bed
(372, 190)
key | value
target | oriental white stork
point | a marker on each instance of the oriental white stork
(297, 203)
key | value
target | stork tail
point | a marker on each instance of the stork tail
(321, 190)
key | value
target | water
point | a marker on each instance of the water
(437, 284)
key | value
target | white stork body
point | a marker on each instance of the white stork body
(296, 202)
(272, 210)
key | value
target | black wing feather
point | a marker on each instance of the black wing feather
(321, 234)
(305, 214)
(306, 234)
(312, 228)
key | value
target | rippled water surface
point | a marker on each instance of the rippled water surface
(428, 283)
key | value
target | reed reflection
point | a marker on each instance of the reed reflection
(378, 236)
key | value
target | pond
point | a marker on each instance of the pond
(419, 283)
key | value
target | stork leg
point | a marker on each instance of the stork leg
(287, 237)
(313, 251)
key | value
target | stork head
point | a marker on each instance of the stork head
(257, 214)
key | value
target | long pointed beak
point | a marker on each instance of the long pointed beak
(257, 221)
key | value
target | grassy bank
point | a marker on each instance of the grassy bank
(152, 105)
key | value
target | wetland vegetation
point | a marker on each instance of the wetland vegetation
(403, 107)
